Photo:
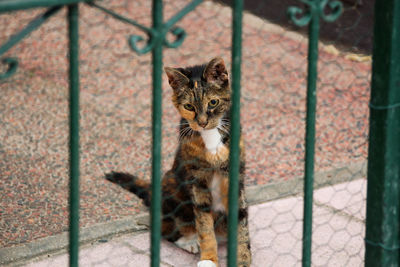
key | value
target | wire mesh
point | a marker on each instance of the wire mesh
(116, 128)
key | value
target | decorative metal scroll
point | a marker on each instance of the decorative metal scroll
(12, 63)
(315, 9)
(152, 34)
(134, 41)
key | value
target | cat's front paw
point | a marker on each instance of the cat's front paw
(206, 263)
(189, 244)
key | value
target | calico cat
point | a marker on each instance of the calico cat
(195, 190)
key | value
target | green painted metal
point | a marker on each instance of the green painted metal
(234, 154)
(177, 31)
(180, 37)
(382, 240)
(315, 11)
(133, 39)
(152, 33)
(15, 39)
(310, 137)
(156, 150)
(73, 34)
(121, 18)
(13, 5)
(178, 16)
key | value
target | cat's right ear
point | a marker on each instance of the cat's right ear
(176, 78)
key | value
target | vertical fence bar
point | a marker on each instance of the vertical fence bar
(310, 133)
(156, 156)
(234, 154)
(382, 241)
(73, 33)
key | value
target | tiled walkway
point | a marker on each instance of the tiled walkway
(116, 111)
(275, 230)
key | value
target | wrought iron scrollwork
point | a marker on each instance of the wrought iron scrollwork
(153, 35)
(180, 36)
(295, 12)
(336, 9)
(315, 9)
(15, 39)
(134, 41)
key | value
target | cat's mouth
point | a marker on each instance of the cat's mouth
(221, 125)
(192, 127)
(196, 127)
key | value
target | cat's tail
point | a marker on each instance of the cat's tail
(139, 187)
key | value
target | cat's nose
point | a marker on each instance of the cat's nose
(203, 124)
(202, 120)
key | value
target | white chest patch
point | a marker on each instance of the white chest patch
(206, 263)
(217, 204)
(212, 139)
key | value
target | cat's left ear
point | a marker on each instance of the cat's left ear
(216, 72)
(176, 79)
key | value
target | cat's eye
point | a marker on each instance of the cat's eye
(213, 103)
(188, 107)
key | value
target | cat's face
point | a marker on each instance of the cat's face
(201, 93)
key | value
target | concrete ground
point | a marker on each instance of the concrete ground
(276, 234)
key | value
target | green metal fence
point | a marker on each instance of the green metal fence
(382, 238)
(315, 10)
(383, 215)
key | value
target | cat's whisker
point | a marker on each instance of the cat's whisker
(224, 130)
(191, 132)
(184, 132)
(181, 132)
(225, 125)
